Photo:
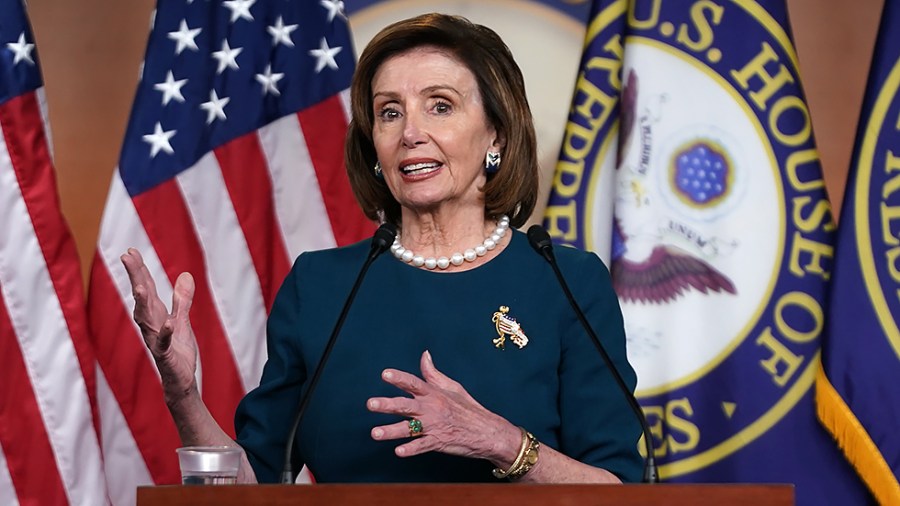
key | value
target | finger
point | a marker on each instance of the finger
(147, 315)
(149, 312)
(132, 260)
(417, 446)
(143, 314)
(405, 381)
(399, 430)
(164, 337)
(139, 292)
(403, 406)
(138, 273)
(183, 295)
(431, 374)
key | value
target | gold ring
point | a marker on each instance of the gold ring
(415, 427)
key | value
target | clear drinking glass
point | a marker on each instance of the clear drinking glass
(209, 465)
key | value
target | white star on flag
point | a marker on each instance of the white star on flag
(227, 57)
(240, 9)
(325, 56)
(184, 37)
(21, 49)
(215, 108)
(159, 140)
(281, 33)
(335, 8)
(171, 88)
(268, 80)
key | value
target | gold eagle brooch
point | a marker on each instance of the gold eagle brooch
(507, 326)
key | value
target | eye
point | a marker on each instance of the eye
(442, 107)
(388, 114)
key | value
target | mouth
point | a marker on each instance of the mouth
(420, 169)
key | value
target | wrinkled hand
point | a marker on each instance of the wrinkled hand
(169, 336)
(453, 422)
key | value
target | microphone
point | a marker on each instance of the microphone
(540, 241)
(381, 241)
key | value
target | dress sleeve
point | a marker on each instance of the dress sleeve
(265, 414)
(597, 425)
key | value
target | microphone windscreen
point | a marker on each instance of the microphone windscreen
(539, 239)
(384, 237)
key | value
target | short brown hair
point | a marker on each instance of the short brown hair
(513, 189)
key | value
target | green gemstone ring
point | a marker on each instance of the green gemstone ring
(415, 427)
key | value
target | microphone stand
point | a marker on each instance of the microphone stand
(381, 241)
(541, 242)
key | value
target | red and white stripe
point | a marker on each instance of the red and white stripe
(49, 447)
(235, 220)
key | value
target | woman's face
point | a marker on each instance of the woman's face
(430, 130)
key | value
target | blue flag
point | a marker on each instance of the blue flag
(689, 165)
(857, 396)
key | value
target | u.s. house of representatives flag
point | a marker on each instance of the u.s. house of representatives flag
(689, 164)
(49, 446)
(857, 395)
(230, 168)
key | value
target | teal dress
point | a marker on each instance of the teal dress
(557, 386)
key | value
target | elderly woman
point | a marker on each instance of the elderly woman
(461, 359)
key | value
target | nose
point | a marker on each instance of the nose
(413, 132)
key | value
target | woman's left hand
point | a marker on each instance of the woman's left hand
(452, 421)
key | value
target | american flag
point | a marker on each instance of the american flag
(49, 446)
(232, 165)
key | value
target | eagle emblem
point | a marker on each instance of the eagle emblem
(508, 326)
(644, 268)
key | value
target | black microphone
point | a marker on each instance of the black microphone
(381, 241)
(541, 242)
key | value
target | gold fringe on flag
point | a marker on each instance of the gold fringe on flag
(856, 443)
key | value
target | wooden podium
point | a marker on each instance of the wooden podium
(469, 495)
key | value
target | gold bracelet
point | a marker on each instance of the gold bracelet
(528, 460)
(525, 460)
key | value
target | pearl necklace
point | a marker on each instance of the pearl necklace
(457, 258)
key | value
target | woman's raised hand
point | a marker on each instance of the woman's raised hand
(171, 341)
(452, 421)
(168, 335)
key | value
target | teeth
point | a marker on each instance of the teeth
(421, 167)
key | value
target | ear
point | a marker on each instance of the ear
(499, 141)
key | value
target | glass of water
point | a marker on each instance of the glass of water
(209, 465)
